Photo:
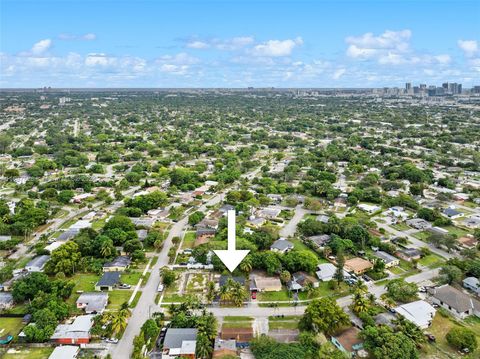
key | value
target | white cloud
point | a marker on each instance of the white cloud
(198, 45)
(469, 47)
(85, 37)
(232, 44)
(368, 45)
(338, 73)
(99, 60)
(41, 46)
(277, 48)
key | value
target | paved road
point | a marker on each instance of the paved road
(416, 242)
(146, 305)
(256, 311)
(291, 227)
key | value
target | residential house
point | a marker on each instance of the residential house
(281, 246)
(419, 223)
(420, 313)
(320, 240)
(207, 223)
(276, 198)
(81, 224)
(6, 300)
(269, 213)
(180, 343)
(472, 222)
(37, 264)
(119, 264)
(472, 284)
(467, 242)
(141, 234)
(68, 234)
(143, 222)
(256, 222)
(388, 259)
(357, 265)
(203, 235)
(264, 284)
(93, 302)
(326, 272)
(369, 208)
(65, 352)
(409, 254)
(456, 302)
(348, 341)
(300, 281)
(323, 218)
(108, 281)
(452, 213)
(78, 332)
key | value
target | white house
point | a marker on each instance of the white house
(420, 313)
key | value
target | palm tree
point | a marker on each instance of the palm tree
(238, 294)
(310, 289)
(360, 303)
(360, 286)
(246, 265)
(225, 294)
(204, 348)
(106, 248)
(285, 276)
(119, 320)
(210, 292)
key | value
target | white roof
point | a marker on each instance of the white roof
(420, 313)
(81, 224)
(51, 247)
(65, 352)
(188, 347)
(326, 271)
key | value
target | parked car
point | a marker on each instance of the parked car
(161, 287)
(430, 337)
(124, 286)
(112, 340)
(254, 295)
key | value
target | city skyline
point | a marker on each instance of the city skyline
(231, 44)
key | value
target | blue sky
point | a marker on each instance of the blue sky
(232, 43)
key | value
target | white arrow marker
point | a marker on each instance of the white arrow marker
(231, 257)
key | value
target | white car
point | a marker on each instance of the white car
(112, 340)
(160, 287)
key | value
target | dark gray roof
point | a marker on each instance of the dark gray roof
(6, 298)
(109, 279)
(387, 258)
(120, 261)
(450, 212)
(454, 298)
(175, 336)
(38, 261)
(68, 234)
(281, 245)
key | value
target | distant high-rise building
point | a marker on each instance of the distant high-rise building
(408, 87)
(445, 86)
(476, 89)
(459, 89)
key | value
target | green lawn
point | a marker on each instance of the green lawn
(131, 278)
(283, 325)
(11, 326)
(188, 240)
(459, 232)
(117, 297)
(401, 227)
(431, 261)
(245, 323)
(29, 353)
(299, 245)
(98, 224)
(237, 318)
(85, 281)
(441, 325)
(396, 270)
(273, 296)
(174, 298)
(422, 235)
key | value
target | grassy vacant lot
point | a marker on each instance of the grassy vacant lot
(237, 322)
(459, 232)
(84, 281)
(441, 325)
(29, 353)
(117, 297)
(11, 326)
(188, 240)
(131, 278)
(422, 235)
(396, 270)
(274, 296)
(431, 261)
(283, 324)
(401, 227)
